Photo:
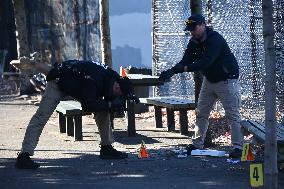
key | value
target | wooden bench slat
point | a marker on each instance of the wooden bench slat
(280, 128)
(71, 108)
(169, 102)
(279, 135)
(67, 111)
(73, 104)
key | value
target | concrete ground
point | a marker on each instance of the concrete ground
(68, 164)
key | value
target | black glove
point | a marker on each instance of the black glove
(178, 68)
(117, 105)
(165, 75)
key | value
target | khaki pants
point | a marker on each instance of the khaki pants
(50, 100)
(228, 92)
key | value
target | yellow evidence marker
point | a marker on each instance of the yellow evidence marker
(247, 154)
(256, 175)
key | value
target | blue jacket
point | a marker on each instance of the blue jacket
(212, 56)
(88, 82)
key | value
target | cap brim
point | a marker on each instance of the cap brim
(189, 28)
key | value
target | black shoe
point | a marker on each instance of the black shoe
(108, 152)
(25, 162)
(189, 148)
(236, 153)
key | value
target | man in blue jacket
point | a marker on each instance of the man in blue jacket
(97, 87)
(209, 52)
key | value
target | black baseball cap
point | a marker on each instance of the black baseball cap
(193, 21)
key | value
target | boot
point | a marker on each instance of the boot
(236, 153)
(108, 152)
(25, 162)
(189, 148)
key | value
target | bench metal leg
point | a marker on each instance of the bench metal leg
(62, 123)
(78, 128)
(171, 119)
(69, 126)
(183, 122)
(158, 117)
(131, 119)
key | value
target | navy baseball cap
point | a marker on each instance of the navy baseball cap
(193, 21)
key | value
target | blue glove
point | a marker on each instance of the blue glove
(165, 75)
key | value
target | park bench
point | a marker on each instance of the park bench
(70, 118)
(171, 104)
(257, 129)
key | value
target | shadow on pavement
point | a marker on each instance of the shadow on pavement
(88, 171)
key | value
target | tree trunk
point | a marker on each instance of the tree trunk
(22, 42)
(20, 17)
(105, 33)
(270, 159)
(76, 11)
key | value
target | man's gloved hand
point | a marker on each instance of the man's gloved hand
(166, 74)
(117, 105)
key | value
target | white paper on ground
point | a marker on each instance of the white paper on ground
(214, 153)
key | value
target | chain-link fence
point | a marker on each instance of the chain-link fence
(240, 23)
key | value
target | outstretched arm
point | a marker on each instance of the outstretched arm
(180, 67)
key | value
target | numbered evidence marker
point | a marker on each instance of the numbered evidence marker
(256, 175)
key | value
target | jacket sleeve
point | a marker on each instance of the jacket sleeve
(213, 49)
(113, 74)
(188, 58)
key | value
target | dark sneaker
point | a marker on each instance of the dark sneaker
(189, 148)
(236, 153)
(25, 162)
(108, 152)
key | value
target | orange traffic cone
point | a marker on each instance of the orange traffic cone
(143, 151)
(250, 156)
(122, 72)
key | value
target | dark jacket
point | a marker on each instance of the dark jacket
(212, 56)
(88, 82)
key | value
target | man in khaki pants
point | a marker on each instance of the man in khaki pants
(97, 87)
(209, 52)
